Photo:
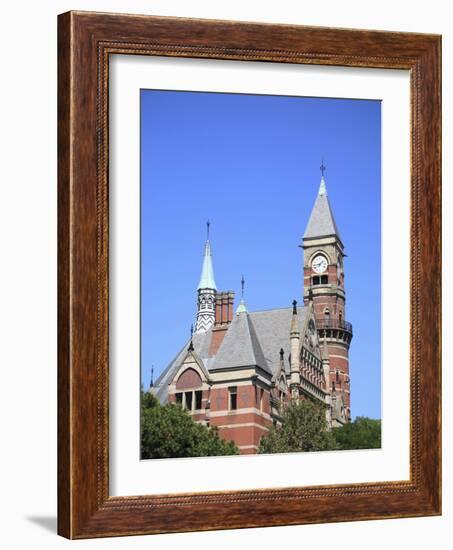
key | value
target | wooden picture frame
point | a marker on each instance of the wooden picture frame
(85, 42)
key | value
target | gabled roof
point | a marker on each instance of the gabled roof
(252, 339)
(201, 342)
(240, 347)
(321, 222)
(272, 329)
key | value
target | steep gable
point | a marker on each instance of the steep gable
(241, 346)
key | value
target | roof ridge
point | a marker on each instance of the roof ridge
(256, 346)
(275, 309)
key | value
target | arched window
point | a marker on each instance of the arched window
(324, 279)
(316, 280)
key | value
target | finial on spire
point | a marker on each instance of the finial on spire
(294, 307)
(282, 353)
(242, 308)
(151, 383)
(208, 225)
(322, 185)
(191, 348)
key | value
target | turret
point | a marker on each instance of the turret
(206, 290)
(294, 338)
(324, 285)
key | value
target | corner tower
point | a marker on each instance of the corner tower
(207, 290)
(324, 285)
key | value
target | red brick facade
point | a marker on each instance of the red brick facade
(329, 304)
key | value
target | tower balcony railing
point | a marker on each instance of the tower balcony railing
(328, 323)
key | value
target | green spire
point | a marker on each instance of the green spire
(207, 272)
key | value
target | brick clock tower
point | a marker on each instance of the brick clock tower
(324, 286)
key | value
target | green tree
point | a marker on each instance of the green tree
(148, 401)
(168, 431)
(363, 433)
(304, 428)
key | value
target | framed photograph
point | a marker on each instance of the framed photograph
(249, 275)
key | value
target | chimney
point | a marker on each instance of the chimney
(224, 308)
(223, 317)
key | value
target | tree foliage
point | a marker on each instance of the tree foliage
(168, 431)
(304, 428)
(363, 433)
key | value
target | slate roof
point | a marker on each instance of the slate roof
(240, 347)
(321, 222)
(252, 339)
(272, 329)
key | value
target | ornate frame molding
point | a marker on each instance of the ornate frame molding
(85, 41)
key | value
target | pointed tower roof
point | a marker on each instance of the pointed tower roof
(207, 271)
(321, 222)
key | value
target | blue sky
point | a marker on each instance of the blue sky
(250, 164)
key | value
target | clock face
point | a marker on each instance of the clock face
(319, 264)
